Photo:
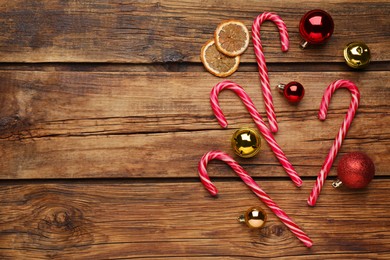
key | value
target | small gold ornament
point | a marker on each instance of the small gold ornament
(254, 217)
(246, 142)
(357, 55)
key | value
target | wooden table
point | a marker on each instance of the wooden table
(105, 114)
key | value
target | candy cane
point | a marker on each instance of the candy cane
(263, 71)
(253, 186)
(341, 134)
(239, 91)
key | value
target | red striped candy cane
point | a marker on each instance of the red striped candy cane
(263, 71)
(239, 91)
(253, 186)
(341, 134)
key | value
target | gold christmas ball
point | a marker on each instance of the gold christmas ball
(357, 55)
(246, 142)
(254, 217)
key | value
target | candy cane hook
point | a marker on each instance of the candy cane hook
(239, 91)
(263, 71)
(253, 186)
(341, 134)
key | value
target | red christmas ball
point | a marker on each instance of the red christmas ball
(355, 170)
(294, 92)
(316, 26)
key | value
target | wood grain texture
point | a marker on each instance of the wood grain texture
(100, 125)
(104, 114)
(174, 31)
(129, 220)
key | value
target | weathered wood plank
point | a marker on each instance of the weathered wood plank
(182, 67)
(80, 125)
(157, 220)
(171, 30)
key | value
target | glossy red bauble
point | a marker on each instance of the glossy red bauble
(316, 27)
(355, 170)
(293, 91)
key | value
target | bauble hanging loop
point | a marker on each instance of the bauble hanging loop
(315, 27)
(254, 217)
(357, 55)
(293, 91)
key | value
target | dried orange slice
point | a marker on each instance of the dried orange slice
(216, 62)
(231, 38)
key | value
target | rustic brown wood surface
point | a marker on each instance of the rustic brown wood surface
(80, 121)
(173, 31)
(89, 220)
(104, 115)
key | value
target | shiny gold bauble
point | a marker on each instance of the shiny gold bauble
(357, 55)
(246, 142)
(254, 217)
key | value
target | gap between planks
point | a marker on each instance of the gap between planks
(156, 180)
(185, 67)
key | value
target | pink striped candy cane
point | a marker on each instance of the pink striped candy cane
(341, 134)
(253, 186)
(263, 71)
(239, 91)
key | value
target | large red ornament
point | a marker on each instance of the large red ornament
(355, 170)
(315, 27)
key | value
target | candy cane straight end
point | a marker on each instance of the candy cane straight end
(273, 127)
(214, 193)
(321, 116)
(223, 124)
(311, 203)
(309, 244)
(285, 47)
